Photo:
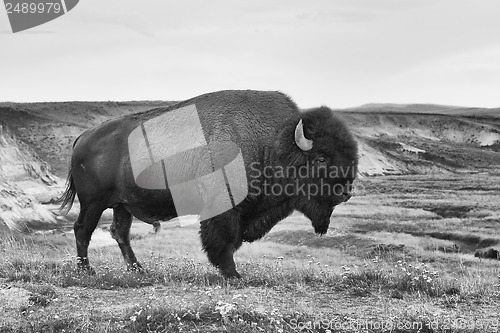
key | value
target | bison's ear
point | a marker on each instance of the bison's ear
(300, 139)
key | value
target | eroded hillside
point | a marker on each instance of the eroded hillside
(401, 143)
(25, 183)
(36, 143)
(51, 128)
(35, 149)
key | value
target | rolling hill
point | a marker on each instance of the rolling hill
(425, 109)
(36, 141)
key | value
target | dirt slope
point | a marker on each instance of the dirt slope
(35, 148)
(403, 143)
(51, 128)
(25, 182)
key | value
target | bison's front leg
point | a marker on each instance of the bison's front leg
(221, 237)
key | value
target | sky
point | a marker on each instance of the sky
(339, 53)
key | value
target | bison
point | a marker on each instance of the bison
(291, 160)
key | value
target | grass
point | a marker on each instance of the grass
(377, 270)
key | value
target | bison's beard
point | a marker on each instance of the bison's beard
(318, 213)
(321, 226)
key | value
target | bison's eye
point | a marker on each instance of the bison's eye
(321, 160)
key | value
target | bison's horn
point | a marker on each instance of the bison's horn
(301, 141)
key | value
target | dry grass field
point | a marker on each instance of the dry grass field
(399, 257)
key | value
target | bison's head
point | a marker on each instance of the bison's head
(324, 153)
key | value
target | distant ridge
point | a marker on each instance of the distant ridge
(425, 109)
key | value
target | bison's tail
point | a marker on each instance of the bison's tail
(68, 197)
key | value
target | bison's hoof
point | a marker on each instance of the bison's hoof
(86, 269)
(136, 267)
(231, 275)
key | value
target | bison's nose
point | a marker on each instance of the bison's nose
(347, 196)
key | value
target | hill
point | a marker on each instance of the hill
(50, 128)
(35, 149)
(425, 109)
(417, 143)
(393, 140)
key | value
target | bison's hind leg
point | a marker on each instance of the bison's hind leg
(89, 216)
(221, 237)
(156, 226)
(120, 231)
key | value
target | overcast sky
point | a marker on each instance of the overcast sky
(338, 53)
